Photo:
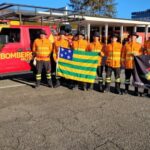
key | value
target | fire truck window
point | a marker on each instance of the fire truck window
(13, 34)
(34, 33)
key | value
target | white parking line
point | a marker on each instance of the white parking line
(11, 86)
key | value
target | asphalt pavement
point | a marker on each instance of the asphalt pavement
(63, 119)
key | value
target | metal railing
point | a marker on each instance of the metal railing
(23, 12)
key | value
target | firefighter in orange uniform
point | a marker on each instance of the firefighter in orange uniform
(42, 49)
(131, 49)
(61, 42)
(56, 37)
(147, 47)
(69, 38)
(146, 52)
(113, 63)
(81, 45)
(96, 46)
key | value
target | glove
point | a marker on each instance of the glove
(34, 62)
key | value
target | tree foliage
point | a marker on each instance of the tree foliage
(94, 7)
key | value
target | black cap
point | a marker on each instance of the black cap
(62, 32)
(114, 35)
(43, 32)
(80, 33)
(134, 34)
(96, 34)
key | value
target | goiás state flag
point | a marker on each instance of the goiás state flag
(142, 71)
(77, 65)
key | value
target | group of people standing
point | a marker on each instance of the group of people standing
(117, 56)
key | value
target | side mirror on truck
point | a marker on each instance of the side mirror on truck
(3, 39)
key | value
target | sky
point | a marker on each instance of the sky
(124, 7)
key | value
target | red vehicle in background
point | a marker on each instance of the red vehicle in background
(16, 48)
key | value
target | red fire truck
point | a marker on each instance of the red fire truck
(15, 47)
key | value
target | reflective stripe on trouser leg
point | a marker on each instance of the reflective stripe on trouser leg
(48, 76)
(117, 80)
(127, 81)
(100, 79)
(57, 77)
(108, 80)
(38, 76)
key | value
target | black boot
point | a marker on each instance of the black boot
(145, 93)
(117, 88)
(57, 83)
(75, 85)
(136, 93)
(70, 84)
(37, 83)
(84, 87)
(90, 88)
(101, 86)
(107, 87)
(126, 89)
(49, 82)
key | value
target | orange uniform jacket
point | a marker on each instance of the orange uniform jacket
(56, 38)
(113, 54)
(147, 47)
(59, 43)
(97, 47)
(129, 50)
(81, 45)
(42, 49)
(69, 39)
